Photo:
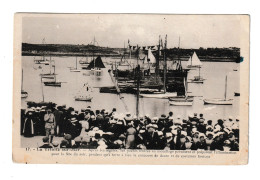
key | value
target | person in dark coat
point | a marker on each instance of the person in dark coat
(58, 118)
(28, 128)
(152, 138)
(202, 143)
(23, 117)
(161, 141)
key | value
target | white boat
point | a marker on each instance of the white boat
(183, 100)
(75, 69)
(194, 61)
(160, 95)
(84, 94)
(50, 75)
(83, 98)
(219, 101)
(197, 79)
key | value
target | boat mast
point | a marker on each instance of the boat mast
(165, 65)
(191, 59)
(42, 90)
(158, 61)
(76, 63)
(199, 72)
(50, 64)
(22, 81)
(138, 85)
(225, 89)
(179, 52)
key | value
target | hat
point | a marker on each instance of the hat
(184, 133)
(201, 135)
(122, 136)
(168, 135)
(209, 133)
(195, 114)
(163, 115)
(160, 133)
(230, 117)
(174, 132)
(142, 131)
(118, 142)
(128, 113)
(73, 120)
(155, 126)
(155, 118)
(95, 129)
(112, 121)
(147, 115)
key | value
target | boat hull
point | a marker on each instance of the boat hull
(24, 94)
(74, 70)
(83, 98)
(181, 103)
(54, 84)
(218, 101)
(160, 95)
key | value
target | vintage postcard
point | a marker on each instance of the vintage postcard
(131, 89)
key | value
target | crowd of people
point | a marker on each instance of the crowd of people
(101, 129)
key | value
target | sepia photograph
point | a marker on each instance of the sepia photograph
(136, 82)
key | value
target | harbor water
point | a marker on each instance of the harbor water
(214, 74)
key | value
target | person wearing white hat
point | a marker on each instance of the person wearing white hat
(161, 141)
(130, 137)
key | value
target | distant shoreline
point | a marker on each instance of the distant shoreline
(118, 56)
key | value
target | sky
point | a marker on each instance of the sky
(113, 30)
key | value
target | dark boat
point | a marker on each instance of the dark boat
(52, 83)
(96, 64)
(236, 94)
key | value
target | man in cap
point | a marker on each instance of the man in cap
(49, 119)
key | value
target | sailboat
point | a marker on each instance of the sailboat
(75, 69)
(161, 95)
(82, 62)
(197, 79)
(53, 83)
(43, 60)
(49, 75)
(219, 101)
(96, 65)
(182, 101)
(82, 96)
(194, 61)
(24, 94)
